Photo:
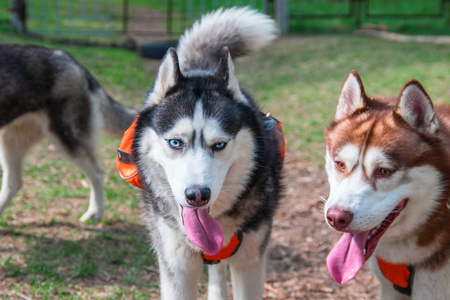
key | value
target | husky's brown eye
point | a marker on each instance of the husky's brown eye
(383, 172)
(340, 165)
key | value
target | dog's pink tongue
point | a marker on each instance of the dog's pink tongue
(203, 230)
(347, 256)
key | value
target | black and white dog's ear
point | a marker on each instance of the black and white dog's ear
(352, 96)
(225, 73)
(416, 108)
(168, 75)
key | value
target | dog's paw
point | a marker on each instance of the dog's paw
(91, 214)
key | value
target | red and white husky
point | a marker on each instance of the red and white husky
(388, 165)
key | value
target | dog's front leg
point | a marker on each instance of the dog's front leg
(248, 266)
(248, 279)
(180, 267)
(217, 282)
(15, 141)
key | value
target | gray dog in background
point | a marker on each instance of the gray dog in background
(46, 93)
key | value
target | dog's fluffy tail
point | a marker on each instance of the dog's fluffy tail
(241, 29)
(116, 118)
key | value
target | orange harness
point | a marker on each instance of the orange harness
(225, 252)
(400, 275)
(124, 161)
(129, 172)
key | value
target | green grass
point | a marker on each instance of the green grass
(299, 80)
(47, 254)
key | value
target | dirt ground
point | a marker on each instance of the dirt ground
(297, 251)
(301, 241)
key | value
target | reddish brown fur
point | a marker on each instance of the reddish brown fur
(378, 124)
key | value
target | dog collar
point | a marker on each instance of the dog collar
(400, 275)
(226, 252)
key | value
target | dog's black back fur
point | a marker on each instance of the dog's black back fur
(35, 78)
(28, 79)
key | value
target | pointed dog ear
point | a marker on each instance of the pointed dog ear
(225, 73)
(352, 96)
(168, 75)
(416, 108)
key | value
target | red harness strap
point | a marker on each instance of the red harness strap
(225, 252)
(400, 275)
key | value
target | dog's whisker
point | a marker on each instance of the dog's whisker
(324, 200)
(320, 153)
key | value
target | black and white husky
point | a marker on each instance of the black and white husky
(208, 166)
(46, 93)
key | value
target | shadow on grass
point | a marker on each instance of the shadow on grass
(54, 257)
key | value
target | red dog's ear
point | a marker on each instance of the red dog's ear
(352, 96)
(416, 108)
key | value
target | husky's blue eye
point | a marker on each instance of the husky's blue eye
(176, 144)
(219, 146)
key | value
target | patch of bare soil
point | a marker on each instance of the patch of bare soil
(382, 34)
(146, 25)
(301, 241)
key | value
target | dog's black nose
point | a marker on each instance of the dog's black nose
(197, 196)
